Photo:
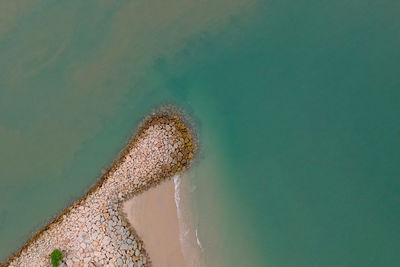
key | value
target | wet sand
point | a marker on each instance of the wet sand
(154, 216)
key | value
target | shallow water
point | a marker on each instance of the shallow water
(296, 104)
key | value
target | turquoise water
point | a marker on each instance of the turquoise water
(296, 104)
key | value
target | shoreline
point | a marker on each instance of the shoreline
(164, 119)
(192, 249)
(163, 217)
(154, 216)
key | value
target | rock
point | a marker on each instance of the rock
(92, 232)
(106, 241)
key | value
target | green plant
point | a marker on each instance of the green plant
(56, 257)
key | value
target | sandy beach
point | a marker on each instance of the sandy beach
(154, 216)
(163, 219)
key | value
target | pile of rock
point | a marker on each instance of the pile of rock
(94, 231)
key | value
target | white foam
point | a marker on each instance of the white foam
(187, 234)
(177, 183)
(198, 240)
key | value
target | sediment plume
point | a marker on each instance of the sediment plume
(94, 231)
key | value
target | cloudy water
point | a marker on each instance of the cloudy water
(296, 104)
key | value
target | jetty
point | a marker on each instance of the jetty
(94, 230)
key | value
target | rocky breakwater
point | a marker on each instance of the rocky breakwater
(94, 231)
